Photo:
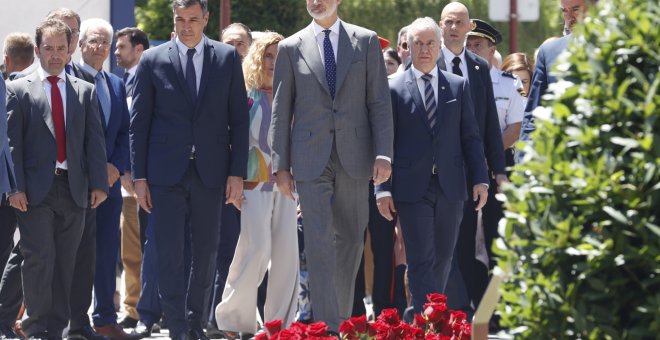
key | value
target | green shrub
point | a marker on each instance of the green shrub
(581, 237)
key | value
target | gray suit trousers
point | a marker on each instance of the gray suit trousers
(335, 209)
(50, 234)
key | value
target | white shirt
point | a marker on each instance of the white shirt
(131, 72)
(510, 103)
(198, 58)
(449, 57)
(320, 36)
(61, 84)
(421, 85)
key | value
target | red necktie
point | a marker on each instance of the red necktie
(58, 118)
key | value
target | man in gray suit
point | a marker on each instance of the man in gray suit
(7, 180)
(58, 151)
(331, 132)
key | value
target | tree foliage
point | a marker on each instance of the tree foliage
(581, 237)
(383, 16)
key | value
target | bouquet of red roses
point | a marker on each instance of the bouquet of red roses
(435, 323)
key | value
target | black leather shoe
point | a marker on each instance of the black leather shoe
(212, 331)
(127, 322)
(197, 333)
(7, 332)
(85, 333)
(143, 330)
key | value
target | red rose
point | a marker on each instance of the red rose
(457, 316)
(347, 329)
(435, 314)
(419, 321)
(417, 333)
(466, 330)
(287, 334)
(437, 298)
(298, 328)
(389, 316)
(261, 336)
(372, 329)
(273, 327)
(317, 329)
(359, 323)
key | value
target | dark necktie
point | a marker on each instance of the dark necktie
(330, 64)
(57, 108)
(191, 77)
(68, 69)
(128, 85)
(456, 62)
(103, 94)
(429, 99)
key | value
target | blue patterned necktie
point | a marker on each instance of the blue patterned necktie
(128, 84)
(103, 94)
(68, 69)
(429, 99)
(330, 64)
(191, 77)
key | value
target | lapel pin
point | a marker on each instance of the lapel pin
(442, 87)
(476, 67)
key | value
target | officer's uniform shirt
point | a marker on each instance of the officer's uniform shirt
(510, 103)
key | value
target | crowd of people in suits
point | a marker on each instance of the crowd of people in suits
(195, 168)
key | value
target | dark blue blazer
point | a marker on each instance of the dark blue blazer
(485, 110)
(165, 124)
(546, 58)
(453, 143)
(116, 130)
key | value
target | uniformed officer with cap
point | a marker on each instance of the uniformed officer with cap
(482, 40)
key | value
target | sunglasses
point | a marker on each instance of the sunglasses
(404, 45)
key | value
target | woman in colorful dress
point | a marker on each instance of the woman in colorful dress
(268, 239)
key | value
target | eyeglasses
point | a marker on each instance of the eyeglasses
(75, 32)
(98, 43)
(404, 45)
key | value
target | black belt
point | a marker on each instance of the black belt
(61, 172)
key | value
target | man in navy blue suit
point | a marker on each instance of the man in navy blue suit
(436, 139)
(99, 247)
(573, 11)
(455, 24)
(189, 143)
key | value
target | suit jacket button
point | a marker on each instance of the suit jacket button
(332, 131)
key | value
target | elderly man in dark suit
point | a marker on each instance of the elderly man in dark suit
(332, 130)
(189, 143)
(58, 150)
(99, 246)
(455, 24)
(435, 135)
(573, 12)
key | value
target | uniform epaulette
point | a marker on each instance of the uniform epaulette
(508, 74)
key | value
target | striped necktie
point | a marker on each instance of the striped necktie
(429, 99)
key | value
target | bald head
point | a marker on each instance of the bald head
(455, 24)
(455, 8)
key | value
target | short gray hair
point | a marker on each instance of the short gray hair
(423, 24)
(403, 30)
(88, 24)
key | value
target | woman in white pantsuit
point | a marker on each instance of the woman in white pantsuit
(268, 239)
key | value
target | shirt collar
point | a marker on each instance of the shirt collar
(418, 74)
(131, 71)
(449, 55)
(85, 67)
(318, 29)
(495, 75)
(43, 75)
(183, 49)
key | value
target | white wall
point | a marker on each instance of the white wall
(24, 15)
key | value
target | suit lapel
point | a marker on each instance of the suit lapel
(209, 59)
(444, 96)
(345, 51)
(36, 88)
(309, 52)
(420, 109)
(176, 64)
